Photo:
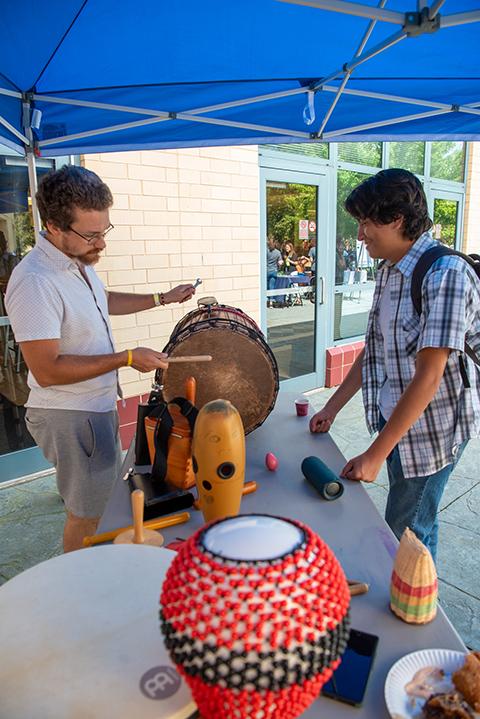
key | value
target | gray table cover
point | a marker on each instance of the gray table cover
(351, 525)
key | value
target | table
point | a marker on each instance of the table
(283, 281)
(351, 525)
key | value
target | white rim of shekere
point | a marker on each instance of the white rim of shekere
(252, 538)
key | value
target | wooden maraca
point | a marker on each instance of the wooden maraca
(139, 535)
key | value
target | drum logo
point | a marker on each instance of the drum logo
(160, 683)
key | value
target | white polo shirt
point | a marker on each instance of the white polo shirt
(47, 298)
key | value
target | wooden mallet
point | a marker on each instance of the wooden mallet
(139, 534)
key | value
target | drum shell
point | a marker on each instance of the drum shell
(243, 369)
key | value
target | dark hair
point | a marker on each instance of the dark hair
(61, 191)
(388, 195)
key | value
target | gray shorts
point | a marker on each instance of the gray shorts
(85, 449)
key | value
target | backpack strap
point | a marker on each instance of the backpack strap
(426, 261)
(161, 435)
(188, 410)
(420, 270)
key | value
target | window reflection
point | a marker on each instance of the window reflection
(354, 269)
(291, 264)
(448, 161)
(17, 237)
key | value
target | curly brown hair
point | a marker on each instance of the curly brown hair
(388, 195)
(61, 191)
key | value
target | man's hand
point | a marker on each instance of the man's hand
(146, 360)
(364, 468)
(322, 420)
(180, 293)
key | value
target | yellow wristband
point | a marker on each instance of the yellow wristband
(129, 358)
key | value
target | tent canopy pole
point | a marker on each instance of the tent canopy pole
(31, 164)
(32, 178)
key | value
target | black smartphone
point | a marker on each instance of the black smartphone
(349, 681)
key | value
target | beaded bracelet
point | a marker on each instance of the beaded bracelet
(159, 299)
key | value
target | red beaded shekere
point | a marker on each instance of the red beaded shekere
(255, 638)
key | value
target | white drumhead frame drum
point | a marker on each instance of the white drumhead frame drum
(80, 637)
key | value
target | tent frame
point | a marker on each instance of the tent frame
(426, 19)
(414, 24)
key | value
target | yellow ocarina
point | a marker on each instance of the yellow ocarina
(218, 457)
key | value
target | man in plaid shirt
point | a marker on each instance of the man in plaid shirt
(414, 394)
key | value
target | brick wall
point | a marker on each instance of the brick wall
(178, 215)
(339, 362)
(471, 232)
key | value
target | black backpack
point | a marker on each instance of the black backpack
(418, 275)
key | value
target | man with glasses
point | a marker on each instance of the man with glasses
(59, 311)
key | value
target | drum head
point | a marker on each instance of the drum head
(80, 637)
(241, 371)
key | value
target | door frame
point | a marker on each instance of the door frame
(323, 319)
(437, 193)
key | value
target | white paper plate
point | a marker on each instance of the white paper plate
(399, 704)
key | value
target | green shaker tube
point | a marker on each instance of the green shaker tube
(327, 484)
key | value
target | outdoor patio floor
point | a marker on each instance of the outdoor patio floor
(32, 516)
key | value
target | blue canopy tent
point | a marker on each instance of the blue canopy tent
(81, 76)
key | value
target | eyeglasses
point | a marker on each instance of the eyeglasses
(93, 237)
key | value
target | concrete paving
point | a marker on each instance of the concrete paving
(32, 516)
(458, 560)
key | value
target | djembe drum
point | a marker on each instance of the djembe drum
(255, 614)
(243, 369)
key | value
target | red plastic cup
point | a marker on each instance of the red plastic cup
(301, 405)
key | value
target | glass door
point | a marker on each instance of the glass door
(447, 216)
(294, 274)
(19, 456)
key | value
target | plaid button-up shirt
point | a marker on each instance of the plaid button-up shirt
(450, 314)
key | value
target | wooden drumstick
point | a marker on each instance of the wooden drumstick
(159, 523)
(248, 488)
(191, 389)
(190, 358)
(139, 535)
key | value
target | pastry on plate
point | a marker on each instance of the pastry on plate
(446, 706)
(467, 680)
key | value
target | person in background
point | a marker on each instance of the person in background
(340, 263)
(8, 260)
(274, 262)
(289, 258)
(304, 263)
(410, 369)
(349, 256)
(59, 311)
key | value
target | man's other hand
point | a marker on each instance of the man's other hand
(180, 293)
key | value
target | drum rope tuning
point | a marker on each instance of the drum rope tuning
(243, 370)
